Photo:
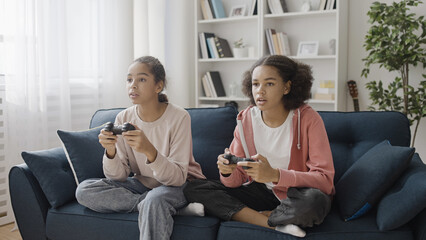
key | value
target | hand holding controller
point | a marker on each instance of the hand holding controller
(118, 129)
(234, 160)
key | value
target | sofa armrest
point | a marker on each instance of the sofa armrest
(418, 225)
(28, 202)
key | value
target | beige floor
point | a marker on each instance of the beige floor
(6, 232)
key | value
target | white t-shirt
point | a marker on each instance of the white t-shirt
(273, 143)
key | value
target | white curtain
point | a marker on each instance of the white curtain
(165, 29)
(64, 60)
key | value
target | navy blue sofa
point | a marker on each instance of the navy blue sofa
(350, 134)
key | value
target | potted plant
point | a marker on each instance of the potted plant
(240, 50)
(396, 41)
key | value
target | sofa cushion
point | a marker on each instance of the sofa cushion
(212, 132)
(52, 171)
(351, 134)
(84, 153)
(370, 177)
(332, 228)
(73, 221)
(405, 199)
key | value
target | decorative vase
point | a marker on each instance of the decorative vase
(240, 52)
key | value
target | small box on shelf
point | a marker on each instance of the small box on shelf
(324, 96)
(326, 91)
(327, 84)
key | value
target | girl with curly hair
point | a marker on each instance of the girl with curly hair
(290, 183)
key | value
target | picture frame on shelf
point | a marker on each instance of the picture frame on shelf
(238, 11)
(308, 49)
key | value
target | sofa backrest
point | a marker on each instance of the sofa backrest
(351, 134)
(103, 116)
(212, 132)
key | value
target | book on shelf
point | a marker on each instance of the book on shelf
(210, 83)
(219, 11)
(271, 7)
(268, 34)
(203, 47)
(223, 47)
(278, 42)
(211, 8)
(218, 89)
(206, 10)
(253, 8)
(277, 49)
(206, 87)
(330, 4)
(276, 7)
(285, 43)
(322, 5)
(212, 47)
(203, 36)
(284, 5)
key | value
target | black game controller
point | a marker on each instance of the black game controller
(234, 160)
(118, 129)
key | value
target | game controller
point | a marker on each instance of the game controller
(118, 129)
(234, 160)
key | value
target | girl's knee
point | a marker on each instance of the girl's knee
(85, 190)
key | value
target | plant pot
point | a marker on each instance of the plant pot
(240, 52)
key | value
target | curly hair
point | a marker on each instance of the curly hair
(158, 71)
(298, 73)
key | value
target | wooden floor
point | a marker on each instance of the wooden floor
(6, 232)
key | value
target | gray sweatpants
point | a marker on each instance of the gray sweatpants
(156, 207)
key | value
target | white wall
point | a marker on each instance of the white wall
(357, 29)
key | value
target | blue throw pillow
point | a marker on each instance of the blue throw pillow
(405, 199)
(53, 172)
(365, 182)
(84, 153)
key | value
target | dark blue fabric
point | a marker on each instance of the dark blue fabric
(53, 172)
(85, 152)
(333, 228)
(351, 134)
(63, 222)
(28, 202)
(212, 132)
(103, 116)
(365, 182)
(405, 199)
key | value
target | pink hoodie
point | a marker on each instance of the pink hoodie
(311, 162)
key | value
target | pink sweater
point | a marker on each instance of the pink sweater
(171, 136)
(311, 162)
